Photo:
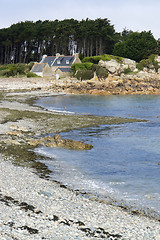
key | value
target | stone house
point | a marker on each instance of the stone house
(59, 65)
(42, 69)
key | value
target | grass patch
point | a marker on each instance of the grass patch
(105, 57)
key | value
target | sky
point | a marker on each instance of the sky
(135, 15)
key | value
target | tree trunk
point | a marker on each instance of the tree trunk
(88, 48)
(97, 52)
(100, 46)
(84, 47)
(91, 47)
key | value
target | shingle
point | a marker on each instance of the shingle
(38, 67)
(63, 60)
(64, 69)
(50, 60)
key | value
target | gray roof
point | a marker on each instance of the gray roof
(64, 69)
(38, 67)
(50, 60)
(64, 61)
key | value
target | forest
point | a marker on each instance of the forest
(28, 41)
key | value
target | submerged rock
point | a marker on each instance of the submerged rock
(58, 141)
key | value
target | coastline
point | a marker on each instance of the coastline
(138, 84)
(36, 208)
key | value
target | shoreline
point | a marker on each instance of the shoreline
(36, 208)
(41, 209)
(140, 84)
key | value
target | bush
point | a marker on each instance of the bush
(127, 71)
(148, 63)
(105, 57)
(84, 74)
(81, 66)
(8, 70)
(29, 66)
(145, 63)
(101, 72)
(94, 59)
(12, 69)
(30, 74)
(86, 70)
(3, 73)
(20, 68)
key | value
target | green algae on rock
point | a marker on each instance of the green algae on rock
(58, 141)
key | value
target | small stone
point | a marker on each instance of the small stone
(14, 133)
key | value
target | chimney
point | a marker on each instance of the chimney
(57, 55)
(43, 57)
(76, 55)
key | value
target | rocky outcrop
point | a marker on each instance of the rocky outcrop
(128, 63)
(112, 66)
(58, 141)
(139, 83)
(123, 78)
(117, 68)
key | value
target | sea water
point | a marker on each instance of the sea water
(123, 163)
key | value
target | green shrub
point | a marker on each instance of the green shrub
(148, 63)
(30, 74)
(3, 67)
(94, 59)
(20, 68)
(86, 70)
(81, 66)
(12, 69)
(145, 63)
(105, 57)
(84, 74)
(154, 62)
(29, 66)
(7, 70)
(3, 73)
(127, 71)
(101, 72)
(110, 57)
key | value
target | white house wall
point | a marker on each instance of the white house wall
(39, 74)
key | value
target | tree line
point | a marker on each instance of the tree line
(29, 41)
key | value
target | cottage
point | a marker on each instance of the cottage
(62, 72)
(48, 59)
(42, 69)
(59, 65)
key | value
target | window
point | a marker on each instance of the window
(58, 62)
(67, 61)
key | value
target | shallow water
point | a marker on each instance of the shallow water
(124, 161)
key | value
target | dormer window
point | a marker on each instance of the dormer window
(58, 62)
(67, 61)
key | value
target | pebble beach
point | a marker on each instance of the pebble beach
(32, 207)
